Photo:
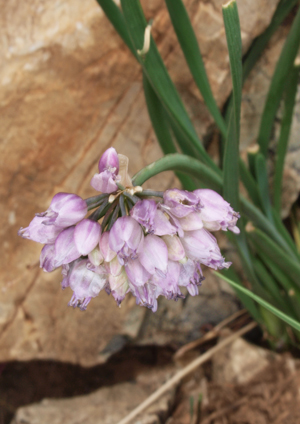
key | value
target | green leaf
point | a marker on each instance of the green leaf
(292, 292)
(263, 185)
(248, 303)
(231, 154)
(265, 244)
(269, 283)
(183, 146)
(253, 214)
(285, 234)
(160, 80)
(289, 103)
(249, 183)
(160, 124)
(287, 319)
(116, 18)
(280, 76)
(283, 9)
(189, 44)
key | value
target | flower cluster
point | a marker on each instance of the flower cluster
(130, 242)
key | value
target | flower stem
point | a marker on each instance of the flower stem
(95, 200)
(122, 205)
(151, 193)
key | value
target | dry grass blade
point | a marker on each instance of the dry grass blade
(185, 371)
(209, 335)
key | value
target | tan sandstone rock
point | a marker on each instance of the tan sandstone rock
(70, 89)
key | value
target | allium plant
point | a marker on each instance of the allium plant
(152, 243)
(131, 242)
(269, 255)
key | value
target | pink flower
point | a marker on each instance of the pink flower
(202, 246)
(125, 238)
(65, 210)
(216, 213)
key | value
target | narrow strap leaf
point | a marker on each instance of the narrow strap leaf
(283, 67)
(289, 103)
(160, 124)
(292, 292)
(283, 9)
(189, 44)
(248, 303)
(116, 18)
(265, 244)
(231, 154)
(287, 319)
(261, 221)
(269, 283)
(263, 185)
(285, 234)
(160, 80)
(249, 183)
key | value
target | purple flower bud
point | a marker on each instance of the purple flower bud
(65, 210)
(47, 258)
(146, 213)
(153, 255)
(37, 231)
(137, 274)
(105, 250)
(85, 284)
(175, 249)
(65, 248)
(86, 236)
(181, 202)
(202, 246)
(145, 295)
(109, 161)
(217, 213)
(105, 182)
(119, 286)
(125, 237)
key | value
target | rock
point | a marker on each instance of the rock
(180, 322)
(70, 89)
(239, 362)
(107, 405)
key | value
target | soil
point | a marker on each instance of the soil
(272, 397)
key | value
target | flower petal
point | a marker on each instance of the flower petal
(86, 236)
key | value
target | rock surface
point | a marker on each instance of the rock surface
(106, 406)
(70, 89)
(240, 362)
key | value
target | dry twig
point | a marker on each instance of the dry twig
(212, 334)
(185, 371)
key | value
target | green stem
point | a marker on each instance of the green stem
(195, 168)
